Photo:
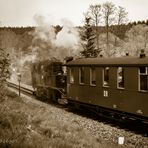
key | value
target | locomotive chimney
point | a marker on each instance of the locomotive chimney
(68, 59)
(142, 54)
(127, 53)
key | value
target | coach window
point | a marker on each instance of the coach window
(143, 78)
(120, 77)
(106, 76)
(71, 75)
(81, 75)
(93, 76)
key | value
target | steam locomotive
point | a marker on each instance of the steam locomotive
(114, 86)
(49, 80)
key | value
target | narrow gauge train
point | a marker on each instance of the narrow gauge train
(114, 86)
(48, 79)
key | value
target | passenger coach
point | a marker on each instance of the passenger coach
(118, 85)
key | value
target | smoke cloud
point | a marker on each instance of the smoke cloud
(47, 43)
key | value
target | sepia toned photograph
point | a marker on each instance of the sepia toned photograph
(73, 74)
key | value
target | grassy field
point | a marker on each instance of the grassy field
(30, 125)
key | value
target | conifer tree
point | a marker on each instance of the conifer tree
(88, 39)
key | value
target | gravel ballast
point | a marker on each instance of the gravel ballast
(97, 129)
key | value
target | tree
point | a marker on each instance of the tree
(94, 13)
(88, 38)
(121, 18)
(4, 70)
(108, 14)
(146, 22)
(4, 66)
(121, 15)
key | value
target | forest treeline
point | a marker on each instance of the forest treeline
(20, 37)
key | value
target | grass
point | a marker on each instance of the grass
(29, 125)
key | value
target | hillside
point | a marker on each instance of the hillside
(33, 124)
(21, 37)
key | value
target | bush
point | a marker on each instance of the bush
(4, 72)
(11, 94)
(13, 129)
(8, 94)
(3, 93)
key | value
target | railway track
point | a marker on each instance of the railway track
(30, 92)
(127, 125)
(22, 89)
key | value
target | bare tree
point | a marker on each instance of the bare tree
(121, 15)
(108, 14)
(121, 18)
(95, 15)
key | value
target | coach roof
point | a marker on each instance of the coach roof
(118, 61)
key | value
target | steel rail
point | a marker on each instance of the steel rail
(16, 86)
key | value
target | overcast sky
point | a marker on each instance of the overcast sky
(21, 12)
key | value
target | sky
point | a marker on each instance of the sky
(22, 12)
